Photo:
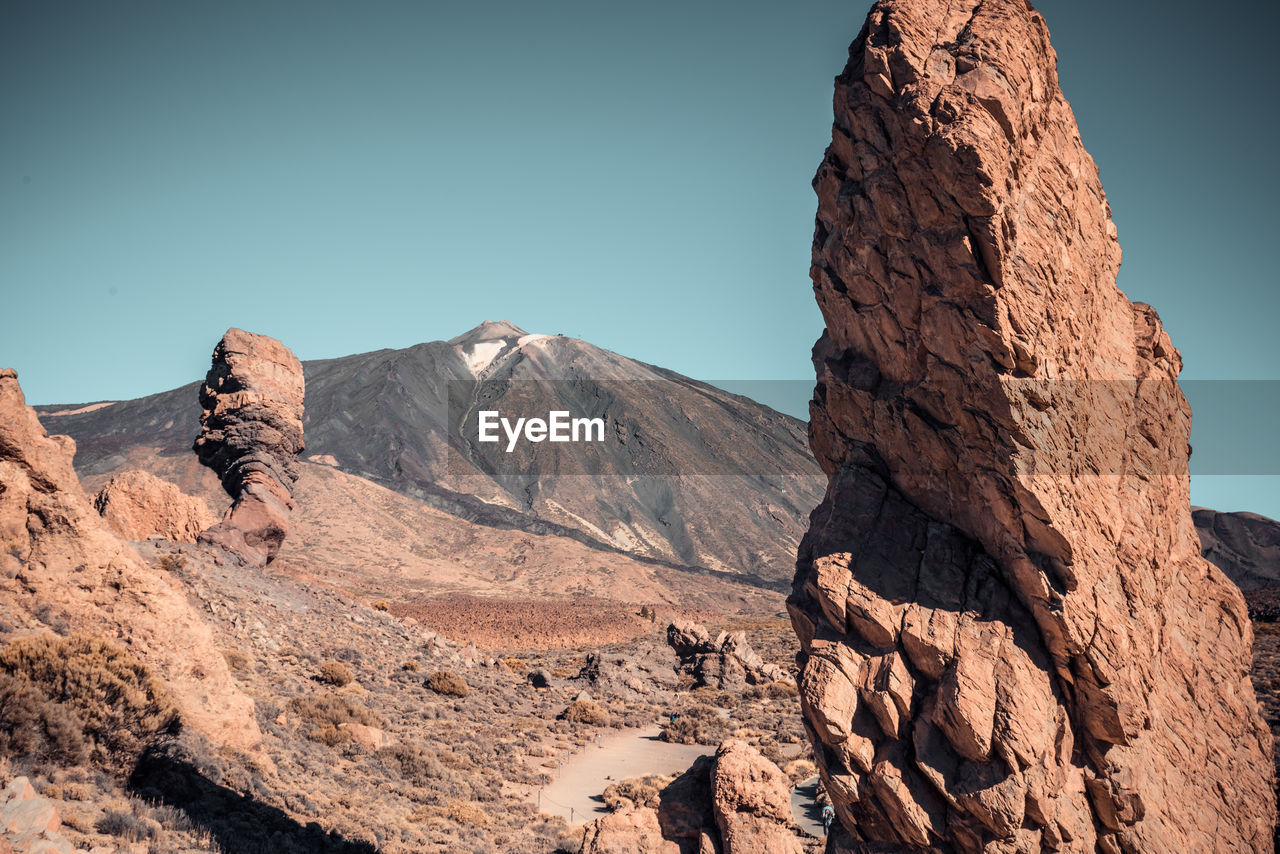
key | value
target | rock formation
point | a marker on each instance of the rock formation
(727, 662)
(251, 435)
(62, 567)
(735, 803)
(647, 669)
(139, 505)
(751, 798)
(1010, 641)
(29, 824)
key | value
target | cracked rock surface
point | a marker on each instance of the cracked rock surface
(1010, 639)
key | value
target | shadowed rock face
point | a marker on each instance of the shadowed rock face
(1010, 639)
(1245, 546)
(251, 435)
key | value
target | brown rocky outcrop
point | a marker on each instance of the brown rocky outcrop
(251, 435)
(138, 505)
(1010, 639)
(61, 566)
(751, 798)
(735, 803)
(725, 662)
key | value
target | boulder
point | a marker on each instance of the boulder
(1010, 639)
(251, 435)
(751, 800)
(139, 505)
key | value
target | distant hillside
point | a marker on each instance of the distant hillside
(688, 474)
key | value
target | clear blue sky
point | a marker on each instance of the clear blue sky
(350, 176)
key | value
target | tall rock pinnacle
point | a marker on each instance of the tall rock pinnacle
(251, 435)
(1010, 639)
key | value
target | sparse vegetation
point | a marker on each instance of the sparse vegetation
(173, 563)
(336, 673)
(54, 686)
(586, 712)
(448, 683)
(696, 725)
(640, 791)
(326, 713)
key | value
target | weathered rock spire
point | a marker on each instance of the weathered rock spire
(1010, 640)
(251, 435)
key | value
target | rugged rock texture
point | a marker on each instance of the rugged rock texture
(735, 803)
(1245, 546)
(646, 670)
(62, 567)
(1010, 639)
(726, 662)
(251, 435)
(751, 798)
(29, 824)
(139, 505)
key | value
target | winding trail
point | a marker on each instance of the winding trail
(574, 792)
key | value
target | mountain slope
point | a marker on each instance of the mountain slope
(687, 474)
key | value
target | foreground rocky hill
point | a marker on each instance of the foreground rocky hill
(688, 475)
(1011, 640)
(65, 570)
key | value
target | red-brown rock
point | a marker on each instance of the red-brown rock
(1010, 639)
(139, 505)
(251, 435)
(751, 798)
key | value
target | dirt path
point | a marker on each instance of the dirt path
(807, 814)
(574, 791)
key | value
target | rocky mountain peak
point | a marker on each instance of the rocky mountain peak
(489, 330)
(1010, 638)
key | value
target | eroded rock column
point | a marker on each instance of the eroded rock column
(1010, 639)
(251, 435)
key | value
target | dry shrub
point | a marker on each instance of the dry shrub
(409, 667)
(127, 826)
(696, 725)
(448, 683)
(336, 673)
(586, 712)
(413, 762)
(640, 791)
(55, 685)
(381, 605)
(33, 726)
(800, 769)
(327, 712)
(464, 812)
(173, 563)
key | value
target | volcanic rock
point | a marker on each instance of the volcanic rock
(139, 505)
(647, 669)
(735, 803)
(752, 802)
(727, 662)
(1010, 640)
(251, 435)
(631, 830)
(64, 568)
